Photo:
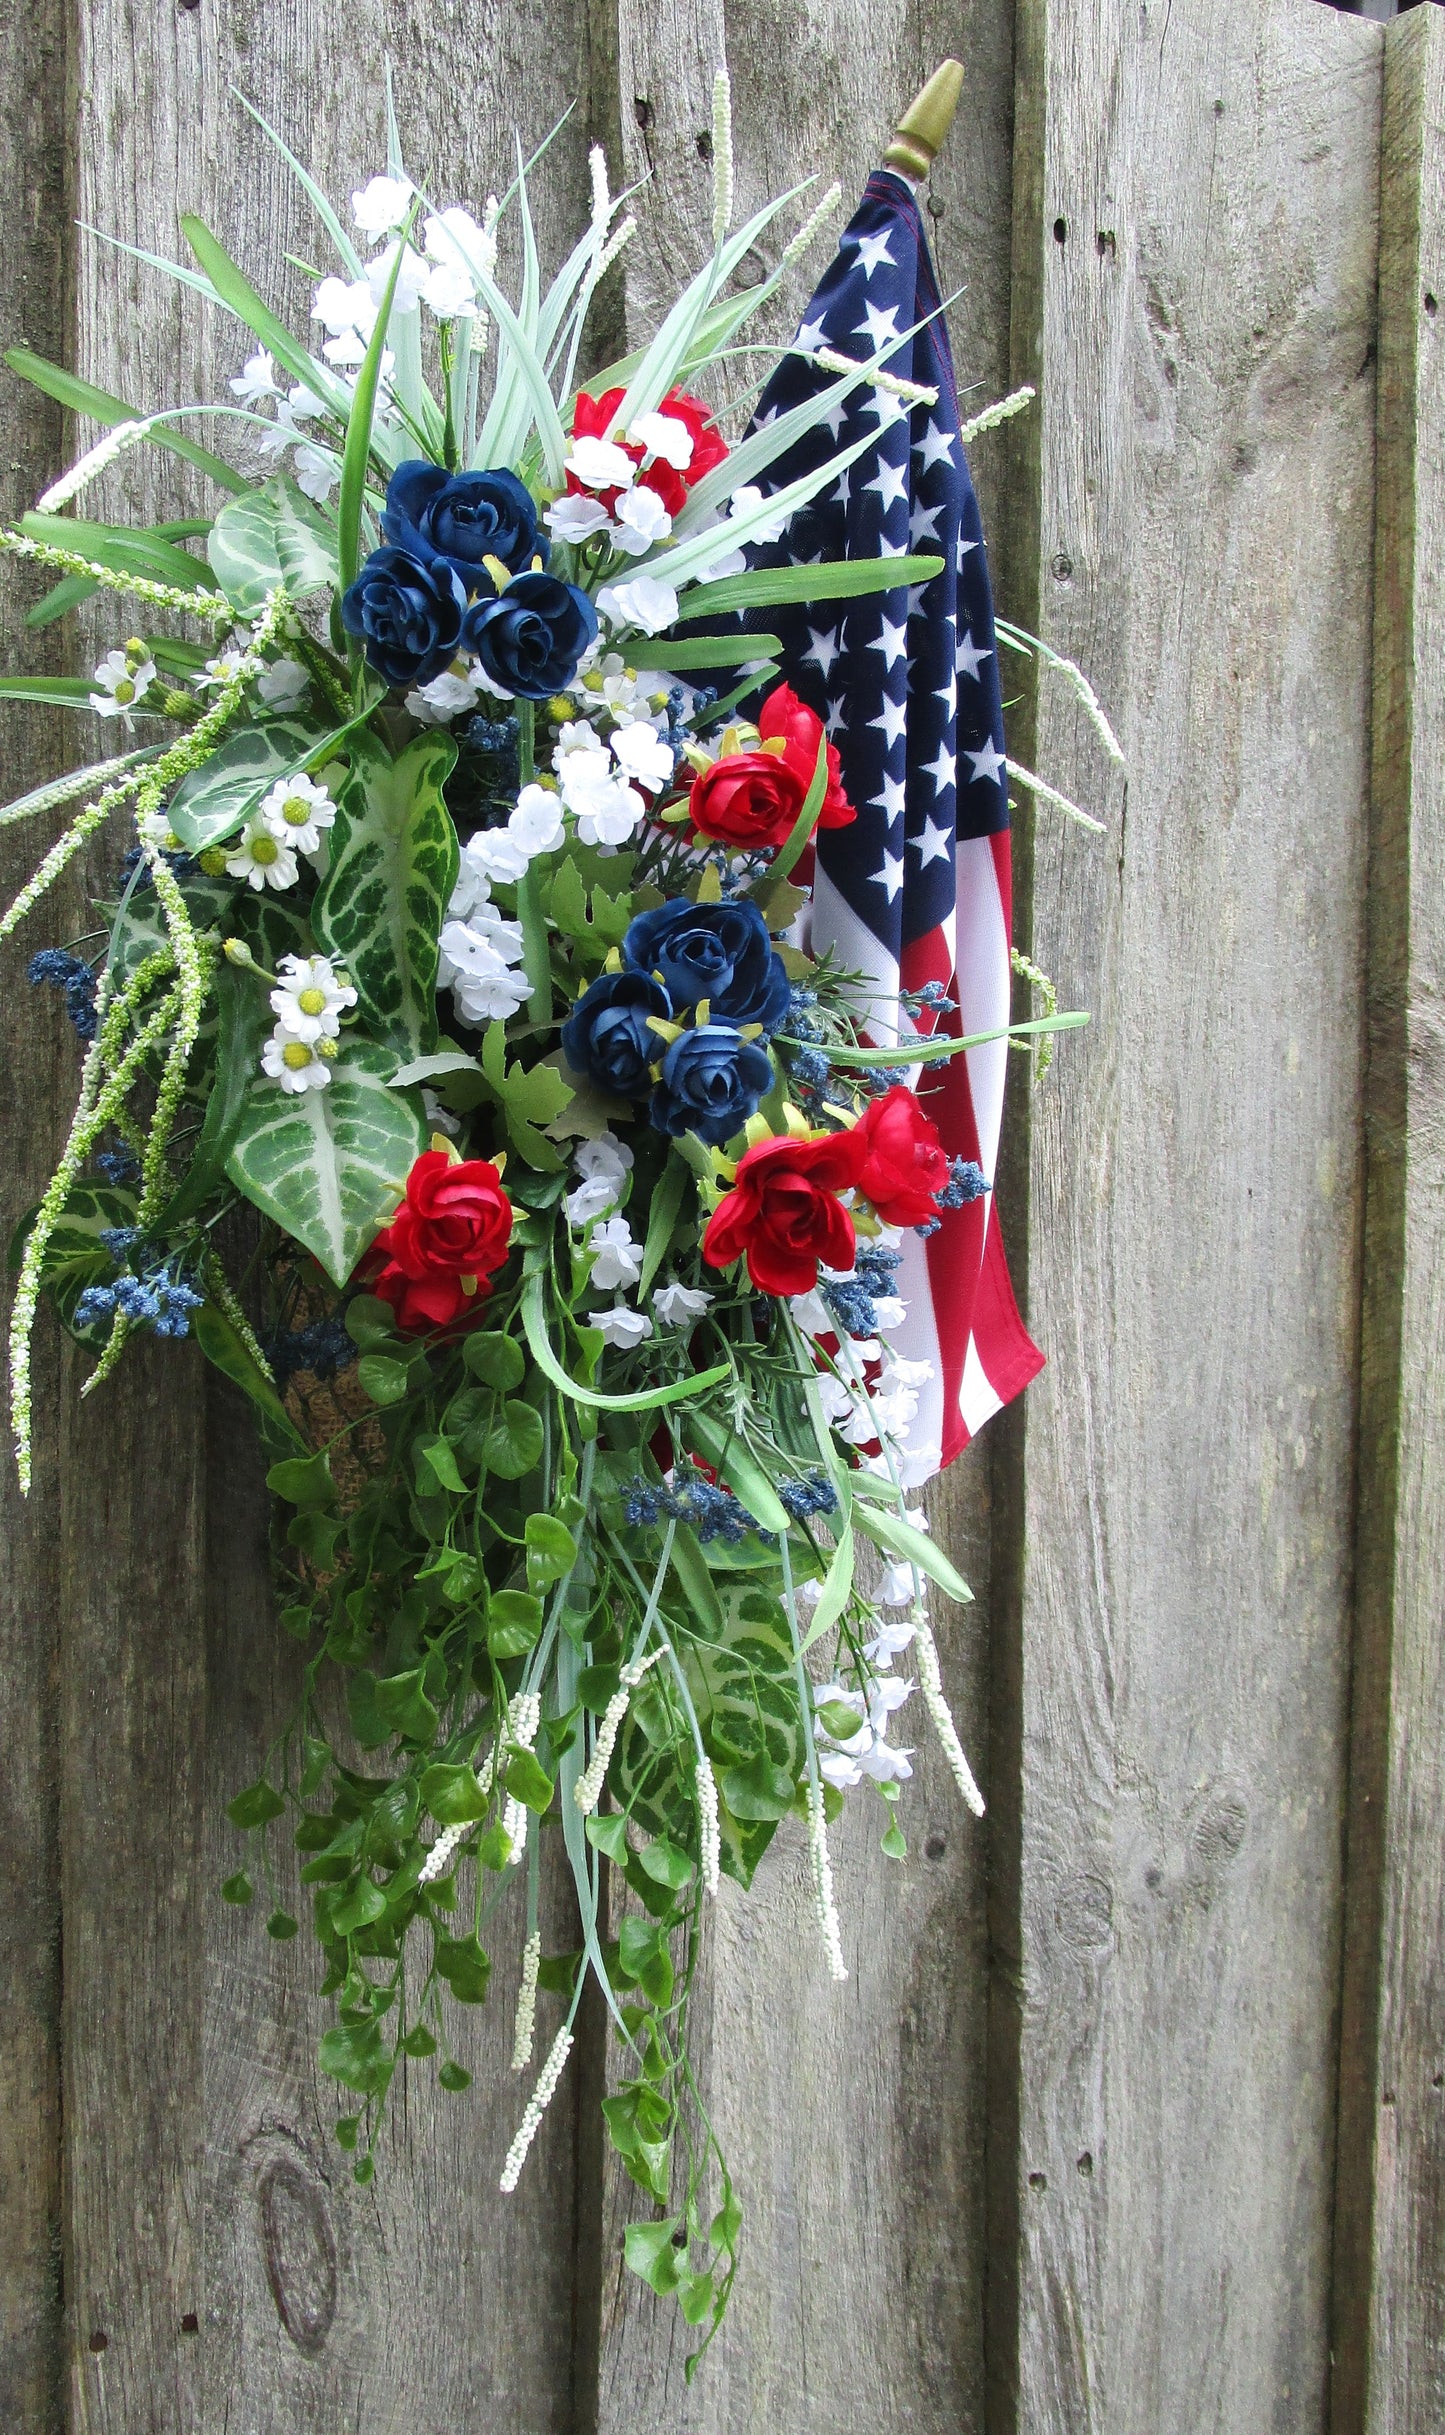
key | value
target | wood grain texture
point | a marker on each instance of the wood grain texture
(40, 1063)
(1389, 2328)
(1194, 285)
(242, 2280)
(861, 2169)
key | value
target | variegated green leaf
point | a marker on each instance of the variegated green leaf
(394, 861)
(220, 796)
(242, 551)
(330, 1165)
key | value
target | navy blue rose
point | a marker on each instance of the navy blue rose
(407, 613)
(607, 1034)
(721, 953)
(463, 518)
(712, 1079)
(531, 637)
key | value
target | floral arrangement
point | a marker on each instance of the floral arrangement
(454, 942)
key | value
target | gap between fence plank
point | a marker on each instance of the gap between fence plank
(1389, 2308)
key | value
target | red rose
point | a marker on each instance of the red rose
(905, 1163)
(801, 731)
(749, 799)
(784, 1214)
(445, 1243)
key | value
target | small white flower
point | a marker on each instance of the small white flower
(605, 1155)
(298, 1065)
(310, 999)
(885, 1764)
(644, 755)
(473, 889)
(296, 811)
(381, 205)
(445, 697)
(121, 685)
(891, 1639)
(220, 670)
(411, 279)
(589, 1199)
(535, 821)
(884, 1698)
(837, 1769)
(257, 379)
(579, 754)
(260, 857)
(743, 502)
(344, 305)
(908, 1373)
(155, 827)
(493, 854)
(638, 520)
(674, 1304)
(895, 1589)
(317, 473)
(283, 685)
(478, 962)
(459, 249)
(575, 518)
(665, 436)
(621, 1327)
(918, 1463)
(348, 352)
(617, 1256)
(889, 1311)
(608, 814)
(600, 464)
(439, 1118)
(642, 601)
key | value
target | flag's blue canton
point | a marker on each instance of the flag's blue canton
(907, 680)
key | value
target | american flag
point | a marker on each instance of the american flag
(918, 888)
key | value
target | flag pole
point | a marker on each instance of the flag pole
(926, 122)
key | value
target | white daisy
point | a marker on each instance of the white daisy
(261, 858)
(298, 1065)
(311, 998)
(296, 811)
(122, 680)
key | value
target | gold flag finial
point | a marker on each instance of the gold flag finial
(926, 122)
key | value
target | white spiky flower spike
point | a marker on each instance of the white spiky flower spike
(930, 1681)
(823, 1903)
(722, 156)
(587, 1791)
(527, 2002)
(86, 468)
(709, 1823)
(537, 2105)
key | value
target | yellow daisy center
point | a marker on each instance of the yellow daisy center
(296, 811)
(296, 1054)
(312, 1001)
(264, 849)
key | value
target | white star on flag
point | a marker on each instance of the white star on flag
(987, 764)
(890, 878)
(822, 650)
(934, 842)
(935, 447)
(811, 334)
(923, 521)
(892, 642)
(890, 484)
(872, 251)
(970, 658)
(890, 797)
(893, 721)
(878, 325)
(942, 768)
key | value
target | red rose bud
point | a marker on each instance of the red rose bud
(446, 1242)
(783, 1212)
(748, 799)
(904, 1163)
(784, 716)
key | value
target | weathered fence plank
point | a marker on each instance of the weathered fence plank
(1194, 287)
(1389, 2331)
(38, 1045)
(877, 2086)
(216, 2237)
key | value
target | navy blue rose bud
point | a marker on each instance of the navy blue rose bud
(607, 1034)
(463, 518)
(531, 637)
(407, 613)
(712, 1079)
(718, 952)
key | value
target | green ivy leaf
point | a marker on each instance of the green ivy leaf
(362, 1903)
(649, 2252)
(392, 869)
(303, 1481)
(353, 2054)
(402, 1704)
(329, 1166)
(514, 1623)
(384, 1379)
(609, 1835)
(282, 1926)
(465, 1967)
(237, 1889)
(452, 1794)
(434, 1456)
(551, 1550)
(665, 1863)
(418, 2041)
(256, 1806)
(512, 1446)
(454, 2076)
(527, 1780)
(497, 1360)
(757, 1789)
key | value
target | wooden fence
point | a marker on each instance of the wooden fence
(1130, 2119)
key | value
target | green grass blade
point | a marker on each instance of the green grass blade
(82, 397)
(237, 294)
(838, 579)
(124, 551)
(358, 432)
(351, 259)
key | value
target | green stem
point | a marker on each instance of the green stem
(536, 954)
